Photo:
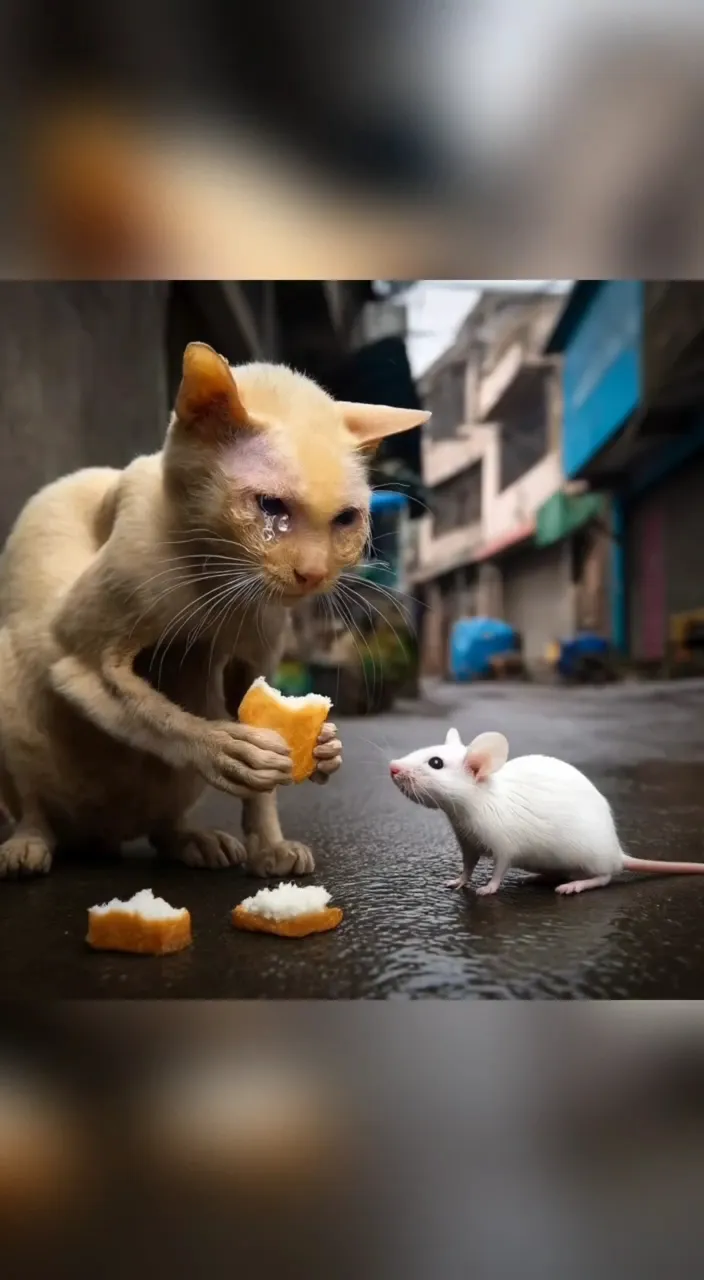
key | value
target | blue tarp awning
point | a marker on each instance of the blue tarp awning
(387, 500)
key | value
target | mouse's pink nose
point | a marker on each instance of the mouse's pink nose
(394, 770)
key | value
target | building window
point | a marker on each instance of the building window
(524, 429)
(458, 502)
(446, 403)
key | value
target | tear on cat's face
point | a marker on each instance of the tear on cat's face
(265, 458)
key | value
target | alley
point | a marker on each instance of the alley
(385, 862)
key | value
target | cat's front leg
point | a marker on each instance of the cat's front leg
(268, 853)
(229, 756)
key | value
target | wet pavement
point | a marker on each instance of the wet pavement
(385, 862)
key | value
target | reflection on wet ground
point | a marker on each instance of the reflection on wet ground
(385, 862)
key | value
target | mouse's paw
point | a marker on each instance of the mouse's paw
(580, 886)
(486, 890)
(287, 858)
(25, 854)
(460, 883)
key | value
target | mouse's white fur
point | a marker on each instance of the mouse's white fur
(533, 812)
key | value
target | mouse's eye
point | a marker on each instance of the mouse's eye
(436, 763)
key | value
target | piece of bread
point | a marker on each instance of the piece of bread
(298, 720)
(145, 925)
(291, 911)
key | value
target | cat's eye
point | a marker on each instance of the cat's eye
(436, 763)
(272, 507)
(345, 519)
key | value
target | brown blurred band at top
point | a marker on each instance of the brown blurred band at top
(374, 140)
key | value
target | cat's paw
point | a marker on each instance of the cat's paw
(327, 754)
(212, 850)
(24, 855)
(234, 756)
(288, 858)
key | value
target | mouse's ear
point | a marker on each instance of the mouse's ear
(453, 739)
(485, 754)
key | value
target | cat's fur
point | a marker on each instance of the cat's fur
(104, 582)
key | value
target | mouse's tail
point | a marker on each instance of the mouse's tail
(648, 866)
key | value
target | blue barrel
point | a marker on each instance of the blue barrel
(474, 642)
(584, 646)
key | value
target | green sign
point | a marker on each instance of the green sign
(563, 514)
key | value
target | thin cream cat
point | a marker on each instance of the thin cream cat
(125, 596)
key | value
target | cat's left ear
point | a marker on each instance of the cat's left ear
(372, 423)
(208, 394)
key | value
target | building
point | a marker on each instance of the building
(633, 388)
(505, 538)
(440, 554)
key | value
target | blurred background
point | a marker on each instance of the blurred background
(395, 138)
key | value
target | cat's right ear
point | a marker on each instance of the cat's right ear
(208, 400)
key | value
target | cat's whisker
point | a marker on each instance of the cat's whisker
(190, 580)
(352, 583)
(394, 596)
(198, 534)
(190, 576)
(177, 623)
(382, 617)
(227, 609)
(368, 614)
(200, 627)
(354, 631)
(173, 587)
(393, 488)
(205, 556)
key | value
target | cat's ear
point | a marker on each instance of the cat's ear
(208, 395)
(453, 739)
(372, 423)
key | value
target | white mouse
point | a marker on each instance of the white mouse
(534, 812)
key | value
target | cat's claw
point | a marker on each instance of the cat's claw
(288, 858)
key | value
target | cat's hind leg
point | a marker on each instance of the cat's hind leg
(268, 853)
(212, 850)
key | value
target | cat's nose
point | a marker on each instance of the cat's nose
(394, 770)
(309, 578)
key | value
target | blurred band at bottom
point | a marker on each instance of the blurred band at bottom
(351, 1140)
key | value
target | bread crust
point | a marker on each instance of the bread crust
(298, 927)
(117, 931)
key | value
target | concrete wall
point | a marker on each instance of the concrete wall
(457, 547)
(521, 340)
(504, 512)
(82, 380)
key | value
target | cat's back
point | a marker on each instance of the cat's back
(55, 537)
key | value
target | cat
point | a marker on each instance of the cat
(127, 597)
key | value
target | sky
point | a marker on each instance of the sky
(436, 309)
